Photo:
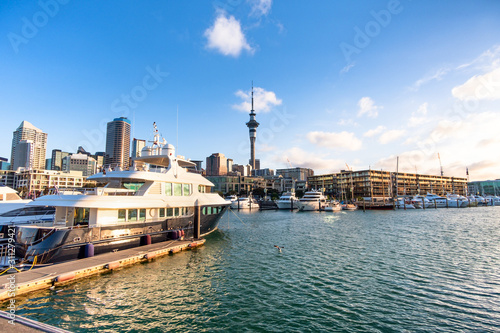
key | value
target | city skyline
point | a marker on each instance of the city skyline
(357, 83)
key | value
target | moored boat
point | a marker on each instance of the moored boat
(155, 200)
(311, 201)
(287, 201)
(333, 206)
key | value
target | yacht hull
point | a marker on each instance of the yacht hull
(309, 206)
(65, 244)
(286, 205)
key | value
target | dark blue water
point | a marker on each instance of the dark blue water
(432, 271)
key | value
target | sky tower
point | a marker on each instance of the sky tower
(252, 128)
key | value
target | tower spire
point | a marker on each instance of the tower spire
(252, 98)
(252, 128)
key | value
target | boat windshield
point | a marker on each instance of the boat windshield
(29, 211)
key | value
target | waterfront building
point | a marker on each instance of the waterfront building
(485, 187)
(26, 131)
(252, 129)
(235, 184)
(84, 163)
(118, 143)
(296, 173)
(327, 183)
(7, 178)
(263, 172)
(48, 163)
(137, 145)
(216, 165)
(348, 184)
(37, 181)
(57, 158)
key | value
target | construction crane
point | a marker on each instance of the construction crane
(440, 165)
(290, 164)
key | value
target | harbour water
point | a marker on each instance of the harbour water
(388, 271)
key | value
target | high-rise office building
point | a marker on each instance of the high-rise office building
(118, 143)
(137, 145)
(80, 162)
(26, 131)
(57, 158)
(216, 165)
(24, 156)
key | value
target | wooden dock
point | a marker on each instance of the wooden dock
(46, 277)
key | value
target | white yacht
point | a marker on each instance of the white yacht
(420, 202)
(492, 200)
(436, 201)
(333, 206)
(231, 198)
(10, 200)
(156, 200)
(287, 200)
(313, 200)
(404, 203)
(457, 201)
(245, 203)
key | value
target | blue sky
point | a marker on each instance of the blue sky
(336, 82)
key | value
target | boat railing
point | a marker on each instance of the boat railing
(5, 255)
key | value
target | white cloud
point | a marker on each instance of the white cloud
(264, 147)
(306, 159)
(462, 143)
(419, 117)
(263, 100)
(487, 61)
(341, 141)
(260, 7)
(438, 75)
(226, 36)
(485, 86)
(347, 68)
(367, 106)
(375, 131)
(347, 122)
(390, 136)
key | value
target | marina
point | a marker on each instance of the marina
(349, 271)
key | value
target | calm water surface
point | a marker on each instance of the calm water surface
(432, 270)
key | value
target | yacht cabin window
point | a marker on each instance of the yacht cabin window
(162, 212)
(187, 189)
(170, 212)
(81, 216)
(132, 214)
(177, 189)
(168, 189)
(142, 214)
(122, 215)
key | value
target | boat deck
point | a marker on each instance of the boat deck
(46, 277)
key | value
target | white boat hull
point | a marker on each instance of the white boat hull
(309, 206)
(287, 205)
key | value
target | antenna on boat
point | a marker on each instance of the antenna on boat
(177, 135)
